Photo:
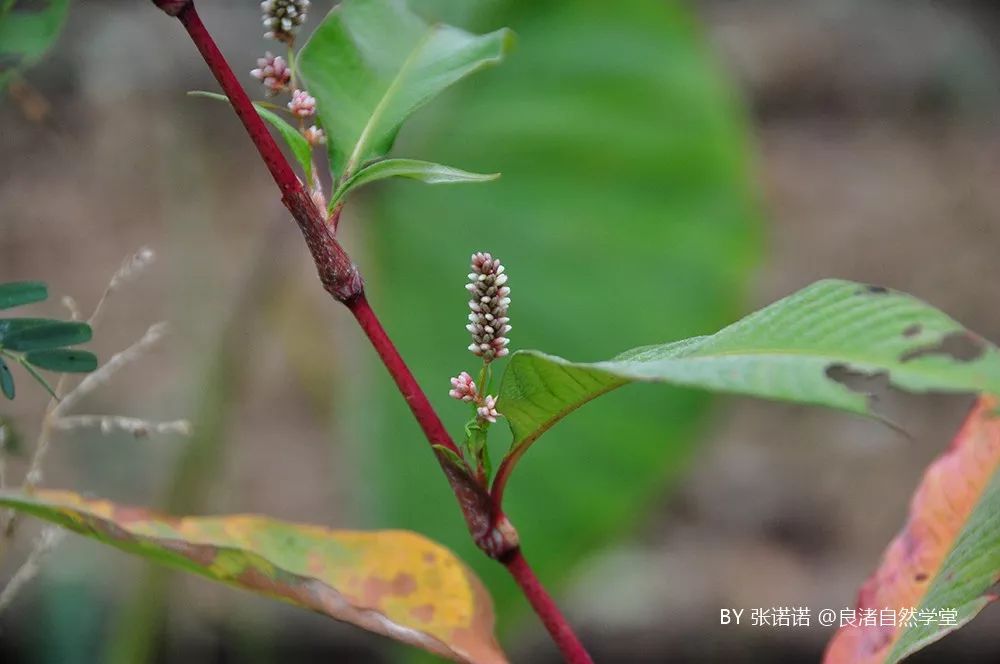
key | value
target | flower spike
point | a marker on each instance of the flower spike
(282, 18)
(488, 322)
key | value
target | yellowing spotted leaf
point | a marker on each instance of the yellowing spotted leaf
(947, 557)
(391, 582)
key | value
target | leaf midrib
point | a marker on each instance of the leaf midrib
(605, 368)
(379, 110)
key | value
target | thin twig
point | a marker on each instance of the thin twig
(137, 427)
(105, 372)
(47, 541)
(130, 269)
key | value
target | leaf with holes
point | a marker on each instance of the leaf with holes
(425, 171)
(367, 84)
(803, 349)
(946, 559)
(392, 582)
(16, 293)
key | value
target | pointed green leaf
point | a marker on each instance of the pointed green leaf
(371, 63)
(805, 348)
(425, 171)
(392, 582)
(6, 380)
(16, 293)
(296, 142)
(50, 334)
(63, 360)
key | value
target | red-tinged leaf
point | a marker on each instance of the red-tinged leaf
(946, 558)
(392, 582)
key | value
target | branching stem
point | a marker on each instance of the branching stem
(489, 527)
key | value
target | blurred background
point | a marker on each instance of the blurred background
(667, 167)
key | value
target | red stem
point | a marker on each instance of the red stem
(560, 631)
(490, 528)
(421, 408)
(275, 161)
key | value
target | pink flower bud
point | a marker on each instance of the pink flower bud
(488, 410)
(302, 104)
(463, 388)
(273, 73)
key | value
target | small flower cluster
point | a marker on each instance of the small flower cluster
(282, 18)
(464, 388)
(273, 72)
(490, 299)
(302, 104)
(314, 135)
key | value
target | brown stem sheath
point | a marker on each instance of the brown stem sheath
(491, 530)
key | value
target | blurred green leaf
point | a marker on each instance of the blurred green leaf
(371, 63)
(16, 293)
(27, 30)
(50, 334)
(6, 380)
(296, 142)
(10, 326)
(625, 216)
(64, 360)
(802, 348)
(425, 171)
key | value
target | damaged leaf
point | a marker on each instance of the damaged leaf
(947, 558)
(793, 350)
(392, 582)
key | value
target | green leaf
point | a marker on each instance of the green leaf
(393, 582)
(64, 360)
(425, 171)
(6, 380)
(805, 348)
(50, 334)
(27, 33)
(10, 326)
(624, 216)
(371, 63)
(296, 142)
(16, 293)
